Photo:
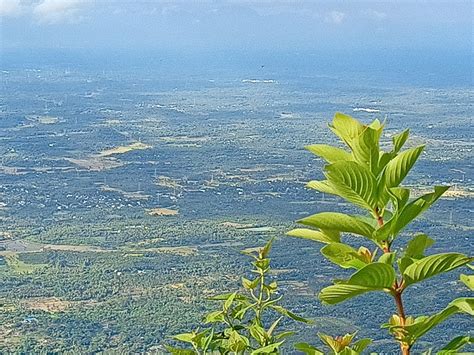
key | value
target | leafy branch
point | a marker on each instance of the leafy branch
(371, 179)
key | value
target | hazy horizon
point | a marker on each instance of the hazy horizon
(236, 24)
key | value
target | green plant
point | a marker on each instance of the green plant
(243, 324)
(341, 345)
(371, 179)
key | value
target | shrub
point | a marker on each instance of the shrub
(371, 179)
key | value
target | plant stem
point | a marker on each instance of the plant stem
(405, 348)
(400, 309)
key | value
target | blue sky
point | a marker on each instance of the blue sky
(214, 24)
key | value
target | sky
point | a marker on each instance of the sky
(236, 24)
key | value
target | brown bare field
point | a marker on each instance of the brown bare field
(46, 304)
(162, 212)
(124, 149)
(96, 163)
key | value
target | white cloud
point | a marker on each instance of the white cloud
(335, 17)
(10, 7)
(59, 11)
(374, 14)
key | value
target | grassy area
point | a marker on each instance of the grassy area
(19, 266)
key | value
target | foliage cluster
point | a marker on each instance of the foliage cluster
(370, 179)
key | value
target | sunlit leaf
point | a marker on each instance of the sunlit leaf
(417, 245)
(329, 153)
(456, 344)
(317, 236)
(412, 210)
(338, 222)
(361, 344)
(228, 301)
(468, 280)
(396, 170)
(343, 255)
(399, 140)
(416, 207)
(308, 349)
(269, 349)
(186, 337)
(292, 315)
(372, 277)
(411, 332)
(365, 148)
(433, 265)
(387, 258)
(323, 186)
(176, 351)
(346, 127)
(353, 182)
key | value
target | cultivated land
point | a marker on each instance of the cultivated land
(121, 211)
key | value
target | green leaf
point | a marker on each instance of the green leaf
(377, 275)
(361, 344)
(186, 337)
(273, 326)
(399, 196)
(213, 317)
(317, 236)
(343, 255)
(456, 344)
(411, 332)
(372, 277)
(396, 170)
(468, 280)
(269, 349)
(418, 206)
(353, 182)
(412, 210)
(308, 349)
(417, 245)
(329, 153)
(336, 344)
(250, 284)
(365, 148)
(322, 186)
(348, 351)
(206, 342)
(266, 249)
(387, 258)
(346, 127)
(258, 333)
(283, 335)
(176, 351)
(339, 222)
(399, 140)
(292, 315)
(384, 158)
(433, 265)
(404, 262)
(237, 342)
(229, 301)
(240, 314)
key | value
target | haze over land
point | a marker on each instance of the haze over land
(145, 144)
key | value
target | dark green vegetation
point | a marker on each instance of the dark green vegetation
(94, 268)
(372, 180)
